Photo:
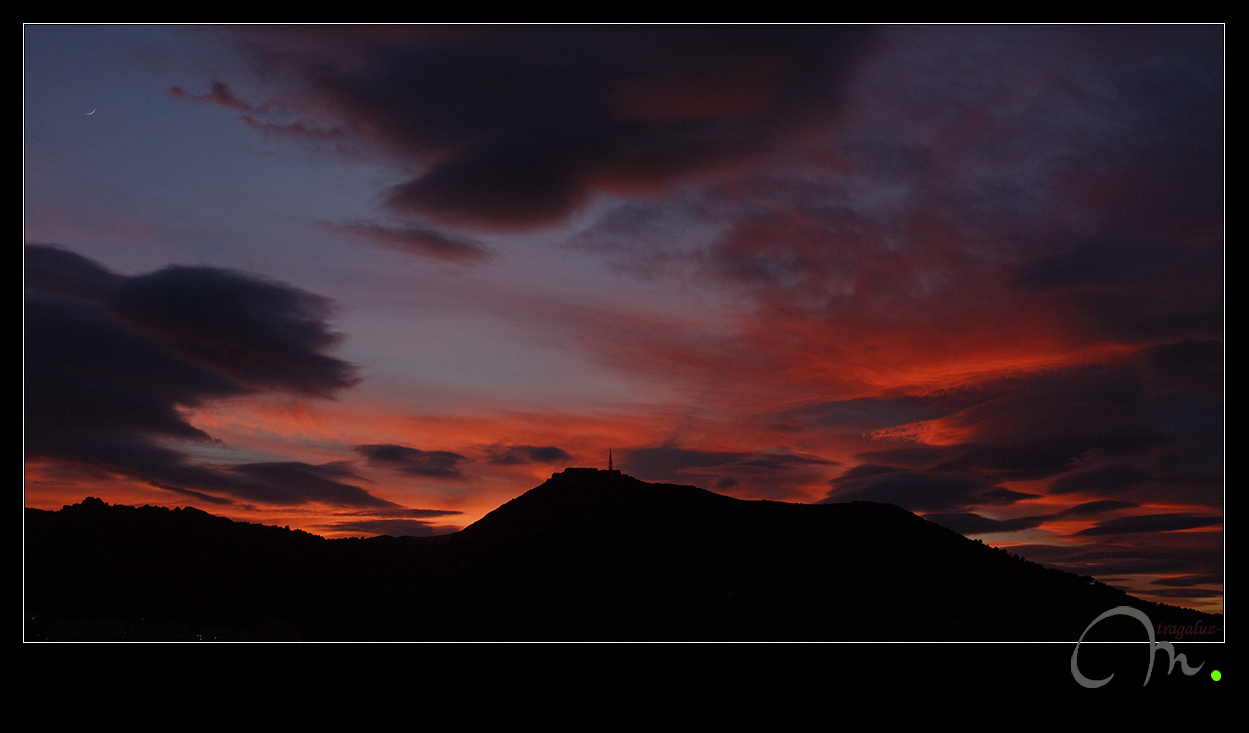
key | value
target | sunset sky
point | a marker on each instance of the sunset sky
(382, 279)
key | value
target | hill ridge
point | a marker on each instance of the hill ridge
(586, 555)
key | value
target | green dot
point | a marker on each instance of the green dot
(1216, 675)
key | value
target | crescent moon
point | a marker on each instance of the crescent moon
(91, 113)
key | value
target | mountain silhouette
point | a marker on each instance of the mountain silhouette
(588, 555)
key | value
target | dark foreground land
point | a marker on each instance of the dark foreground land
(588, 555)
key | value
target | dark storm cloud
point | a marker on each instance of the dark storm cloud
(1104, 481)
(1005, 496)
(968, 523)
(1164, 147)
(1185, 367)
(515, 455)
(254, 333)
(431, 463)
(1052, 454)
(418, 241)
(1137, 290)
(293, 482)
(865, 414)
(1151, 523)
(1188, 580)
(1032, 425)
(264, 335)
(1184, 593)
(93, 381)
(287, 483)
(1150, 429)
(53, 270)
(112, 361)
(1098, 265)
(1080, 167)
(1138, 553)
(1188, 559)
(1097, 507)
(1184, 383)
(872, 415)
(1132, 430)
(919, 457)
(520, 127)
(1037, 426)
(1149, 171)
(919, 491)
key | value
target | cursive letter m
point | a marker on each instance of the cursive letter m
(1154, 646)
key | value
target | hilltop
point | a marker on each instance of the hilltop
(588, 555)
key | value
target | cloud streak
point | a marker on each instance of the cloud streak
(516, 455)
(429, 463)
(417, 241)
